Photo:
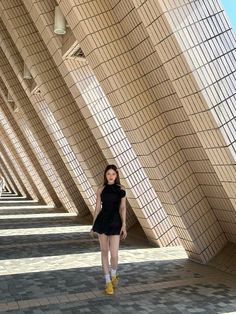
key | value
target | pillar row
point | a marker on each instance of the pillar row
(206, 91)
(58, 179)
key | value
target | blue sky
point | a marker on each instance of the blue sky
(230, 8)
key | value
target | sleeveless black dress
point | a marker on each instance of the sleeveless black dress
(108, 220)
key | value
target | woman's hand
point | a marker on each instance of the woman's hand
(123, 232)
(92, 233)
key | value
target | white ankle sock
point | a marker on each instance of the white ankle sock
(113, 272)
(107, 278)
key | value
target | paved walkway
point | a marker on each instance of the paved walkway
(49, 264)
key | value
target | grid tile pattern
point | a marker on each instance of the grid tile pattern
(34, 129)
(103, 123)
(56, 98)
(180, 190)
(201, 69)
(43, 189)
(15, 163)
(93, 166)
(154, 94)
(152, 280)
(11, 174)
(11, 186)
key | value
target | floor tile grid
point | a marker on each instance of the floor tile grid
(174, 285)
(64, 298)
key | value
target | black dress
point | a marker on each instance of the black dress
(108, 220)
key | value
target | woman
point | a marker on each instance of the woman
(110, 223)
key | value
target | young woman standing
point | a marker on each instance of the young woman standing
(110, 223)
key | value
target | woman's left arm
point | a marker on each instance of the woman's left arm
(123, 231)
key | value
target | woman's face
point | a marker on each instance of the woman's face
(111, 176)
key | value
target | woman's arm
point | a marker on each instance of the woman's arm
(123, 215)
(98, 203)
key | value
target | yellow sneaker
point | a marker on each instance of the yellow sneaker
(109, 288)
(114, 281)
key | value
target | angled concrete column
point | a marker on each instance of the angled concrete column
(60, 104)
(36, 171)
(89, 112)
(92, 172)
(17, 182)
(36, 134)
(145, 84)
(87, 160)
(13, 160)
(201, 68)
(8, 177)
(118, 60)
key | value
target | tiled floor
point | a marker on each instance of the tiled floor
(49, 264)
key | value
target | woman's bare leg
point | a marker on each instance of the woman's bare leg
(104, 245)
(114, 242)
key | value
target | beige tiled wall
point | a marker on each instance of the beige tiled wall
(201, 68)
(38, 178)
(58, 103)
(78, 148)
(92, 161)
(60, 181)
(108, 133)
(16, 158)
(143, 98)
(30, 132)
(8, 178)
(151, 96)
(9, 174)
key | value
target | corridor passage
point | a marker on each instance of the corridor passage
(50, 264)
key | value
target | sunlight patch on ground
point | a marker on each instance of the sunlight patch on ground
(24, 206)
(44, 215)
(12, 197)
(84, 260)
(50, 230)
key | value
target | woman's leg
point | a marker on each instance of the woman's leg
(114, 242)
(104, 245)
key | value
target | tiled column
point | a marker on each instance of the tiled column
(9, 179)
(67, 154)
(155, 94)
(48, 195)
(56, 175)
(43, 24)
(38, 179)
(9, 170)
(87, 159)
(41, 179)
(118, 60)
(196, 45)
(107, 131)
(16, 165)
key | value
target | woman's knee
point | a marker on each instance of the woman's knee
(114, 255)
(104, 252)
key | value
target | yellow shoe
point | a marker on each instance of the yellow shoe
(109, 288)
(114, 281)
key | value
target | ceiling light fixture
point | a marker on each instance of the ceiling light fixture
(9, 98)
(59, 22)
(27, 75)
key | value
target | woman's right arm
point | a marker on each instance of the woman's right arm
(98, 204)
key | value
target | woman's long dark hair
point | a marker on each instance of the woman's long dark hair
(113, 167)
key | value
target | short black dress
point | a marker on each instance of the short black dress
(108, 220)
